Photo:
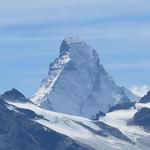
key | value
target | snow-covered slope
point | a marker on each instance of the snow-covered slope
(123, 120)
(116, 130)
(94, 134)
(78, 84)
(19, 130)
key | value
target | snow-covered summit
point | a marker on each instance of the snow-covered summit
(67, 43)
(73, 39)
(76, 48)
(78, 84)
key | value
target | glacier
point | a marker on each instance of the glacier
(113, 131)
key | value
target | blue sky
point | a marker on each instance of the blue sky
(31, 32)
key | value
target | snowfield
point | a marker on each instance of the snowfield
(84, 130)
(121, 120)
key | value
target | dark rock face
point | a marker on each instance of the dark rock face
(14, 95)
(142, 117)
(19, 133)
(98, 115)
(28, 113)
(146, 98)
(64, 48)
(122, 106)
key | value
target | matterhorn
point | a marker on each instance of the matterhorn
(78, 84)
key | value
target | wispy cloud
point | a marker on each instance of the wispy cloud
(105, 20)
(140, 90)
(27, 11)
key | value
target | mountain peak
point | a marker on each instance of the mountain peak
(14, 95)
(72, 39)
(78, 84)
(146, 98)
(78, 52)
(70, 43)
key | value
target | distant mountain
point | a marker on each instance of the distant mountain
(146, 98)
(78, 84)
(14, 95)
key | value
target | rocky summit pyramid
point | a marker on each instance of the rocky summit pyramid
(78, 84)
